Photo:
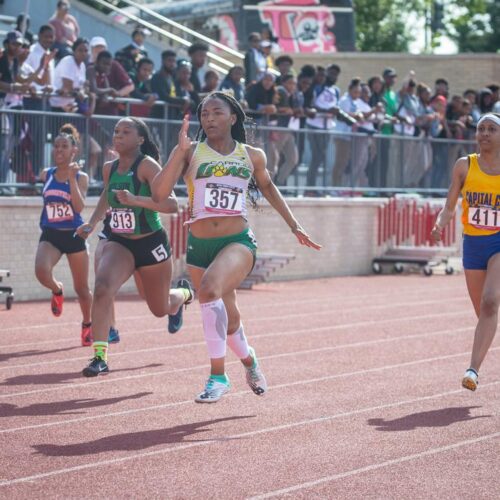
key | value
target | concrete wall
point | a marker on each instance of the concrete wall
(345, 227)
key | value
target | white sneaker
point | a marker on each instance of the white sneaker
(214, 390)
(470, 380)
(255, 377)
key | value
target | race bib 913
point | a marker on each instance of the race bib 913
(122, 220)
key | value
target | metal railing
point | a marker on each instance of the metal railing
(305, 161)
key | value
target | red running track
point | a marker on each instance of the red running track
(364, 401)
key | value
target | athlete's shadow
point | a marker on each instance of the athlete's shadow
(434, 418)
(60, 378)
(5, 356)
(70, 407)
(135, 441)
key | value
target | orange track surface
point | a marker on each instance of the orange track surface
(364, 401)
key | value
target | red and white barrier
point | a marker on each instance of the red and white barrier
(404, 222)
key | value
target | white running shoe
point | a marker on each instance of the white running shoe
(470, 380)
(214, 390)
(255, 377)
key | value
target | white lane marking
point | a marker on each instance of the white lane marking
(380, 465)
(274, 387)
(201, 343)
(244, 308)
(267, 430)
(178, 370)
(275, 318)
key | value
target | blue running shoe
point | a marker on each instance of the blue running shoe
(175, 320)
(113, 336)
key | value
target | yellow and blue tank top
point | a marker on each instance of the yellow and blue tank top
(126, 219)
(58, 211)
(218, 184)
(480, 201)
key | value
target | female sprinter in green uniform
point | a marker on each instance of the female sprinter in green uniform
(64, 191)
(169, 206)
(221, 246)
(138, 240)
(478, 178)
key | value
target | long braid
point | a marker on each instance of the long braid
(238, 132)
(149, 146)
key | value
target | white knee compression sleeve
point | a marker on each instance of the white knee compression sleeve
(214, 316)
(237, 342)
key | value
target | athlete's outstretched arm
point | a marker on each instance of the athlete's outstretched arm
(274, 197)
(102, 206)
(457, 181)
(163, 184)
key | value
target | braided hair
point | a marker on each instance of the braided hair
(238, 131)
(69, 131)
(149, 146)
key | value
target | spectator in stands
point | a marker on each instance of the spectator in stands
(284, 64)
(255, 62)
(290, 107)
(349, 103)
(425, 113)
(130, 55)
(305, 87)
(65, 27)
(325, 105)
(163, 84)
(9, 86)
(23, 26)
(439, 130)
(495, 92)
(485, 100)
(211, 82)
(184, 87)
(332, 74)
(233, 83)
(198, 54)
(265, 48)
(320, 77)
(267, 34)
(376, 85)
(390, 101)
(441, 87)
(455, 118)
(143, 89)
(106, 81)
(42, 49)
(261, 98)
(471, 96)
(70, 77)
(408, 106)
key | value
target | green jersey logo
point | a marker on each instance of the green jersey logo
(221, 169)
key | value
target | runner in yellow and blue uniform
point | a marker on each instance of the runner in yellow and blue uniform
(218, 170)
(477, 178)
(138, 240)
(64, 191)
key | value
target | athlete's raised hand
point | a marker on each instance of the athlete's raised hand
(184, 143)
(304, 238)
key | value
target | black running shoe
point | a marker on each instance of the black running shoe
(175, 320)
(96, 366)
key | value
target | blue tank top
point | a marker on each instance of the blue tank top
(58, 212)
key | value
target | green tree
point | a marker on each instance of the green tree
(382, 25)
(473, 24)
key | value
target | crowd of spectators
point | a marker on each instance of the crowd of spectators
(294, 106)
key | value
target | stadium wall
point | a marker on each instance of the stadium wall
(345, 227)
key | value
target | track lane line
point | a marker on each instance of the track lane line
(246, 392)
(372, 467)
(137, 456)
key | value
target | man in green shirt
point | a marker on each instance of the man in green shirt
(390, 97)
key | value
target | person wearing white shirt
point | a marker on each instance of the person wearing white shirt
(325, 101)
(69, 77)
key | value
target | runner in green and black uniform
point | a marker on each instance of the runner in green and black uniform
(137, 242)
